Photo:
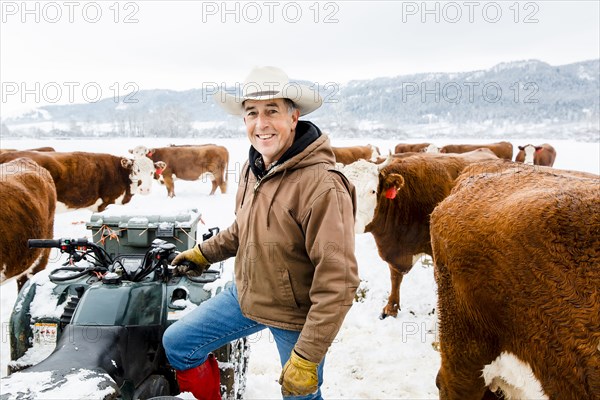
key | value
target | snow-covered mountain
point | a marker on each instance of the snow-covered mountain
(512, 99)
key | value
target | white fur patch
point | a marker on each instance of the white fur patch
(529, 153)
(364, 176)
(62, 207)
(432, 148)
(513, 377)
(374, 153)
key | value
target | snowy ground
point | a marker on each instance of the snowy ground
(371, 358)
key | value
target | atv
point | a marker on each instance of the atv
(106, 326)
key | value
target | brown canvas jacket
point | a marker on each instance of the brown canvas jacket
(293, 239)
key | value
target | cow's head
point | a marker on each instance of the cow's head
(529, 153)
(374, 152)
(432, 148)
(364, 175)
(141, 151)
(141, 171)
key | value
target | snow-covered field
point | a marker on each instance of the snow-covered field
(371, 358)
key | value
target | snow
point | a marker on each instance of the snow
(394, 358)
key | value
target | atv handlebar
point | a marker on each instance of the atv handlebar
(43, 243)
(63, 244)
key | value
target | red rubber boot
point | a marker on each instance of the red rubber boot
(203, 381)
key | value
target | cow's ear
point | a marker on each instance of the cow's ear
(538, 148)
(126, 162)
(521, 147)
(160, 167)
(131, 151)
(150, 152)
(395, 180)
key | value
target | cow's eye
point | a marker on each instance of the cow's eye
(139, 183)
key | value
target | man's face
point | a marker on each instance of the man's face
(270, 127)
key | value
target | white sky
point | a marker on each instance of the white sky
(185, 44)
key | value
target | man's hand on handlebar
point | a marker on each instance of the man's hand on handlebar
(191, 262)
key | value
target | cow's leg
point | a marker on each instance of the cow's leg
(223, 181)
(466, 346)
(168, 180)
(215, 185)
(102, 206)
(393, 305)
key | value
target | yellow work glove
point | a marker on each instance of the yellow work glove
(193, 255)
(299, 376)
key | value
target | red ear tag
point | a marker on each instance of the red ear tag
(159, 171)
(149, 154)
(391, 193)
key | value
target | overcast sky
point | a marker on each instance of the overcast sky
(112, 47)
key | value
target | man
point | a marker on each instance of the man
(293, 242)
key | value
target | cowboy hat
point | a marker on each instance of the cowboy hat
(266, 83)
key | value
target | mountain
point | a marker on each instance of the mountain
(521, 98)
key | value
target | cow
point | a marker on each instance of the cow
(416, 148)
(501, 149)
(543, 154)
(93, 180)
(189, 163)
(47, 148)
(348, 155)
(516, 254)
(28, 199)
(394, 200)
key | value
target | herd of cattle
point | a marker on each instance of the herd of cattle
(515, 244)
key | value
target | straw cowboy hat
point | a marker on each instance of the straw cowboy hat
(266, 83)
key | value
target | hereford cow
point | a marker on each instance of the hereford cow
(394, 200)
(536, 155)
(93, 179)
(189, 163)
(415, 148)
(28, 199)
(501, 149)
(348, 155)
(516, 255)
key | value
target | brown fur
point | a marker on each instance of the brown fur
(82, 178)
(516, 251)
(545, 155)
(190, 162)
(401, 226)
(410, 148)
(28, 199)
(2, 151)
(348, 155)
(501, 149)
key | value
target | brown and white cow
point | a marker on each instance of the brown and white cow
(516, 253)
(394, 200)
(93, 180)
(189, 163)
(501, 149)
(543, 154)
(348, 155)
(416, 148)
(28, 199)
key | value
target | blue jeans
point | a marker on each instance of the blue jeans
(217, 322)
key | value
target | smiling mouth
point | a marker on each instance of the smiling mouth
(266, 137)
